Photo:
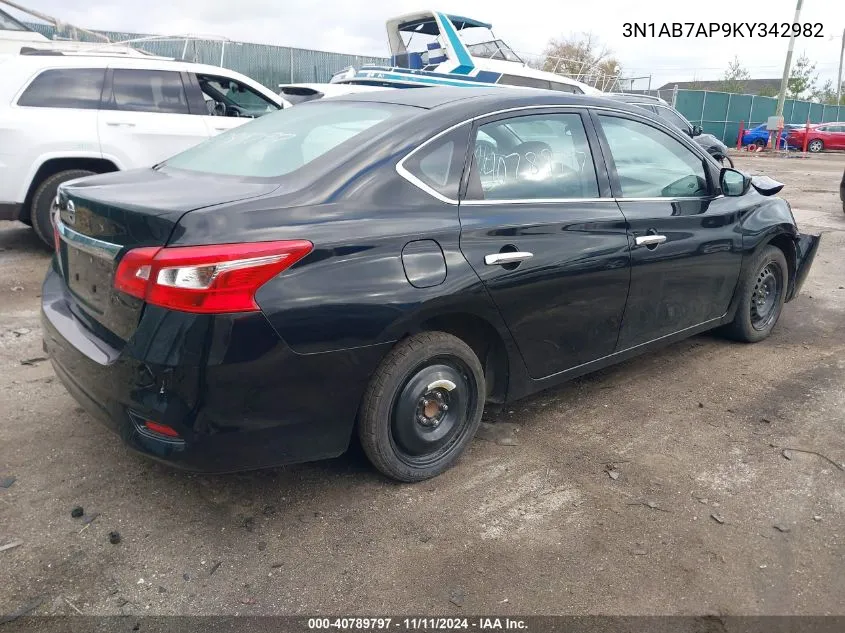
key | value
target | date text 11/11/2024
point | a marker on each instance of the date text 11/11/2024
(722, 29)
(417, 624)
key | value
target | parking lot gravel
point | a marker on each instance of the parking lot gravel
(706, 478)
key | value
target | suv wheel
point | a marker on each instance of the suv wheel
(422, 407)
(42, 201)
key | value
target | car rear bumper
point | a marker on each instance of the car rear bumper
(237, 395)
(806, 246)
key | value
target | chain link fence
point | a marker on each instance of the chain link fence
(267, 64)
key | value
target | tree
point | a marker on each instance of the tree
(735, 77)
(768, 91)
(802, 79)
(582, 57)
(827, 94)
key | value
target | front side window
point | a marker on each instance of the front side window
(652, 164)
(287, 140)
(673, 118)
(227, 97)
(137, 90)
(65, 88)
(544, 156)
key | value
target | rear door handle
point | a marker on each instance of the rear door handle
(650, 240)
(506, 258)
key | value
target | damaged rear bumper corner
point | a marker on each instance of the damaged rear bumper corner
(806, 246)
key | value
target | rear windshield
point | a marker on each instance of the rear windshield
(282, 142)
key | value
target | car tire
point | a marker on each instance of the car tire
(815, 146)
(760, 142)
(422, 407)
(761, 294)
(42, 201)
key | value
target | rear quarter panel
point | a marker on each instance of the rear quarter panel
(352, 290)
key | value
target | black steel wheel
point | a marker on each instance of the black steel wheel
(765, 298)
(760, 298)
(422, 407)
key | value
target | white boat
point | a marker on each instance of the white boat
(428, 48)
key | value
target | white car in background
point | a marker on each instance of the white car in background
(64, 115)
(299, 93)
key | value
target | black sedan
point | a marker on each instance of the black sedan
(842, 191)
(384, 264)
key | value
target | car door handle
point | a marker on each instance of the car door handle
(650, 240)
(120, 123)
(506, 258)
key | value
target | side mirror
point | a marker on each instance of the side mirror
(696, 130)
(733, 183)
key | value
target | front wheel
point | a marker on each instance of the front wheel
(762, 292)
(422, 407)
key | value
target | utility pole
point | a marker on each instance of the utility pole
(839, 76)
(788, 64)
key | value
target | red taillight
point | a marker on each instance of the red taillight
(161, 429)
(206, 279)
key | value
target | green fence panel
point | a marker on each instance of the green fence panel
(800, 112)
(761, 109)
(690, 103)
(816, 110)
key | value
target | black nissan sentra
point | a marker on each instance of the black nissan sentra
(384, 264)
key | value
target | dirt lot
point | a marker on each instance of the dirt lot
(706, 515)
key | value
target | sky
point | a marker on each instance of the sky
(358, 27)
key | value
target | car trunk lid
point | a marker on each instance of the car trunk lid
(100, 218)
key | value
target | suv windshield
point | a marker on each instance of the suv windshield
(282, 142)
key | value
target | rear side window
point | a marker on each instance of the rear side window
(65, 88)
(530, 157)
(284, 141)
(440, 164)
(147, 91)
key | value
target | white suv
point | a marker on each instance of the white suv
(63, 116)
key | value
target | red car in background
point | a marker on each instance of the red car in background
(821, 136)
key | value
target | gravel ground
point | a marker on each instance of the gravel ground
(703, 513)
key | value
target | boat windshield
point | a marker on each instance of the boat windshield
(494, 49)
(8, 23)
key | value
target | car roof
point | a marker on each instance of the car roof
(481, 97)
(77, 60)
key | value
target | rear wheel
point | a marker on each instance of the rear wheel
(760, 142)
(42, 201)
(422, 407)
(815, 146)
(762, 292)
